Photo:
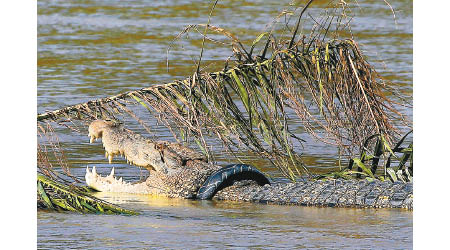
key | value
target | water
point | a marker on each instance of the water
(93, 49)
(181, 224)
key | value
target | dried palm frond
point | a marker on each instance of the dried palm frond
(327, 84)
(246, 104)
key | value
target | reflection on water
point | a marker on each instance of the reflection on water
(174, 223)
(92, 49)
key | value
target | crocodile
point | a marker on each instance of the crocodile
(180, 172)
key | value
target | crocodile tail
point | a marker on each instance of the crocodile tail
(226, 176)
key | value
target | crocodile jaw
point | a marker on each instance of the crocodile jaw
(116, 185)
(175, 171)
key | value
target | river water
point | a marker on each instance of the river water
(92, 49)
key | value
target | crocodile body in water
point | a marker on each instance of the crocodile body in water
(177, 171)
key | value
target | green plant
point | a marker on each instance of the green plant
(401, 171)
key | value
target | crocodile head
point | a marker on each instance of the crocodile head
(174, 170)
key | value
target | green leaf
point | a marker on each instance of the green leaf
(391, 174)
(183, 134)
(200, 146)
(100, 208)
(140, 101)
(370, 179)
(44, 196)
(400, 176)
(386, 146)
(316, 55)
(242, 91)
(64, 205)
(378, 151)
(363, 167)
(259, 38)
(89, 207)
(406, 154)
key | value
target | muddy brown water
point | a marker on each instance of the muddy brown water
(93, 49)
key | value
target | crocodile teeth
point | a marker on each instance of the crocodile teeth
(92, 139)
(94, 172)
(87, 170)
(112, 173)
(110, 158)
(106, 154)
